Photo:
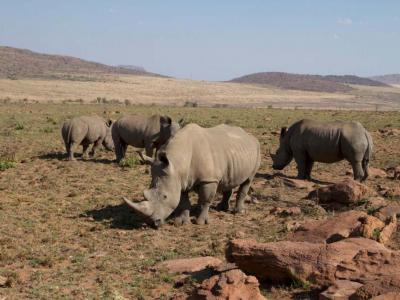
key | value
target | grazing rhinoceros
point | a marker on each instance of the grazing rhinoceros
(308, 141)
(204, 160)
(86, 130)
(142, 132)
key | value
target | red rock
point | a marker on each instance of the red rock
(396, 173)
(390, 192)
(233, 284)
(386, 212)
(388, 231)
(4, 281)
(376, 203)
(373, 173)
(286, 211)
(189, 265)
(387, 296)
(346, 192)
(340, 290)
(297, 183)
(318, 264)
(343, 225)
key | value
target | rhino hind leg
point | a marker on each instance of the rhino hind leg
(183, 211)
(224, 204)
(241, 196)
(206, 194)
(70, 151)
(85, 148)
(309, 166)
(95, 146)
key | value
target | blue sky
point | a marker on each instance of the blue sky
(213, 40)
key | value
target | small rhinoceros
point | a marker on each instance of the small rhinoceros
(142, 132)
(204, 160)
(86, 130)
(308, 141)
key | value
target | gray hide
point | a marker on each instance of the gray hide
(309, 141)
(204, 160)
(87, 130)
(142, 132)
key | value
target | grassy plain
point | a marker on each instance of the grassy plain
(65, 233)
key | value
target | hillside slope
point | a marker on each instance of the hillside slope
(388, 79)
(22, 63)
(305, 82)
(289, 81)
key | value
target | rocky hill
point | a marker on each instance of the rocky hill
(21, 63)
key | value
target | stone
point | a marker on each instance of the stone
(347, 192)
(372, 172)
(388, 231)
(376, 203)
(189, 265)
(340, 290)
(387, 192)
(387, 296)
(386, 212)
(317, 264)
(297, 183)
(286, 211)
(233, 284)
(341, 226)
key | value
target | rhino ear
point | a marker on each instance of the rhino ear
(163, 158)
(165, 120)
(109, 122)
(283, 132)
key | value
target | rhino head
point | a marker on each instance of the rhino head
(163, 196)
(283, 155)
(108, 142)
(168, 129)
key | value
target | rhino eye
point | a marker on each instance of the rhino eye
(165, 196)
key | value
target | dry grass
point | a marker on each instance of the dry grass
(65, 234)
(174, 92)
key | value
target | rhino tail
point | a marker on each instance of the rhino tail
(367, 156)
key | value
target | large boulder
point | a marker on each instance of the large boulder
(347, 192)
(285, 261)
(230, 285)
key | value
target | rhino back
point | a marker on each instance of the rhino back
(135, 130)
(326, 141)
(223, 154)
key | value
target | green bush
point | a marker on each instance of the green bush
(19, 126)
(129, 162)
(6, 164)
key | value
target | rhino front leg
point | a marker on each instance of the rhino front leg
(206, 194)
(224, 204)
(149, 149)
(183, 210)
(241, 196)
(301, 163)
(309, 166)
(358, 170)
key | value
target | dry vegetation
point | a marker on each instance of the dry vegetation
(65, 234)
(173, 92)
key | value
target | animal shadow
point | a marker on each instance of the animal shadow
(267, 176)
(119, 216)
(53, 155)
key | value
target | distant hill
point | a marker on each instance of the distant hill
(302, 82)
(305, 82)
(132, 67)
(352, 79)
(22, 63)
(388, 79)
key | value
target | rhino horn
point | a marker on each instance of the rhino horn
(142, 207)
(146, 159)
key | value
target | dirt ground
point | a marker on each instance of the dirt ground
(66, 234)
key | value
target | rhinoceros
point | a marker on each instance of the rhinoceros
(142, 132)
(309, 141)
(204, 160)
(87, 130)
